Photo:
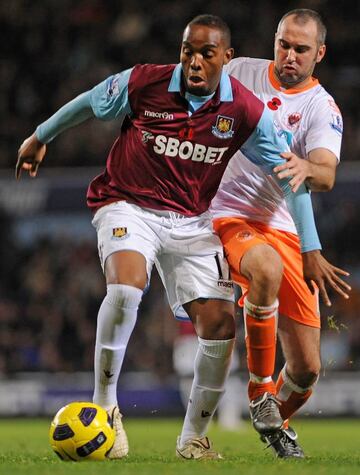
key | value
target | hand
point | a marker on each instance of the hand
(319, 271)
(295, 167)
(30, 155)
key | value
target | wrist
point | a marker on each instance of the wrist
(310, 254)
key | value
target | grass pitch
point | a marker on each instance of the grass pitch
(332, 447)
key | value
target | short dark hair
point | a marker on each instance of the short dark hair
(302, 16)
(213, 21)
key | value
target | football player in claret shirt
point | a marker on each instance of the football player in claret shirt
(259, 235)
(180, 125)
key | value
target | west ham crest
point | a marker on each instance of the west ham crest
(119, 233)
(223, 127)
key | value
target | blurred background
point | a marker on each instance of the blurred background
(51, 283)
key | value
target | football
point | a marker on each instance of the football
(82, 431)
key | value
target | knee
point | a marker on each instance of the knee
(269, 270)
(222, 330)
(216, 326)
(137, 280)
(213, 319)
(126, 268)
(263, 266)
(306, 375)
(123, 296)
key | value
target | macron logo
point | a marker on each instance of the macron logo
(159, 115)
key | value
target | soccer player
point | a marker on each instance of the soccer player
(259, 235)
(179, 127)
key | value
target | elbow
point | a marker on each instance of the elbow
(322, 186)
(328, 185)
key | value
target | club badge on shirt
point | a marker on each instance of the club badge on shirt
(223, 127)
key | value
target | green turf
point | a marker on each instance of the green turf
(332, 447)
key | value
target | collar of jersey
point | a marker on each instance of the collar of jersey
(226, 94)
(276, 83)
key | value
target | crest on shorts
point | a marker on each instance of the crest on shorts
(244, 235)
(119, 232)
(223, 127)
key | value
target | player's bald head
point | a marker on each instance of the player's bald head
(301, 16)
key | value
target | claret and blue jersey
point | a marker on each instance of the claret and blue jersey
(172, 149)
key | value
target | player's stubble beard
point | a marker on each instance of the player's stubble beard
(293, 80)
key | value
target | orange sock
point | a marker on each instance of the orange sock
(290, 395)
(257, 389)
(260, 338)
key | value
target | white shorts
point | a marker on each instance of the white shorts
(187, 253)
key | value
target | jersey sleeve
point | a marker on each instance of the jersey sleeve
(325, 127)
(265, 144)
(108, 100)
(74, 112)
(263, 148)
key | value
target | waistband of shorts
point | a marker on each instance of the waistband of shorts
(175, 215)
(172, 215)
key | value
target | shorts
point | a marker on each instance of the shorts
(187, 253)
(295, 299)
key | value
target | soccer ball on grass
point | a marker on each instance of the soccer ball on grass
(82, 431)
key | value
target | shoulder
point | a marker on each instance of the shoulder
(320, 101)
(242, 93)
(150, 73)
(244, 65)
(247, 106)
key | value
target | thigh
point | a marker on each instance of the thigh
(127, 244)
(127, 268)
(300, 344)
(194, 267)
(238, 237)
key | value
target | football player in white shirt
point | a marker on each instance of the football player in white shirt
(259, 235)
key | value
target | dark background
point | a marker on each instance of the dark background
(50, 280)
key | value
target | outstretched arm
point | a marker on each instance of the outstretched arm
(316, 269)
(108, 100)
(33, 149)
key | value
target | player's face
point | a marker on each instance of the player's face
(296, 52)
(203, 54)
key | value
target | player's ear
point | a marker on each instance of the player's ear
(229, 54)
(321, 53)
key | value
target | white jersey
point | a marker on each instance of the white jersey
(309, 118)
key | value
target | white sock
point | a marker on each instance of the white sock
(211, 368)
(229, 408)
(116, 320)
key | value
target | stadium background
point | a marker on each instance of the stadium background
(50, 280)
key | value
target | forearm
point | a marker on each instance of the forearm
(300, 207)
(73, 113)
(321, 170)
(320, 177)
